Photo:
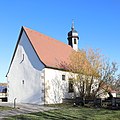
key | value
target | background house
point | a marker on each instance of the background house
(3, 92)
(35, 74)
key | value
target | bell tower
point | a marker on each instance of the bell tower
(73, 38)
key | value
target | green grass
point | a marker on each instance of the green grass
(5, 108)
(71, 113)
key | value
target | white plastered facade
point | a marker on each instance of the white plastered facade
(30, 82)
(24, 78)
(56, 89)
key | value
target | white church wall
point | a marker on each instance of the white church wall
(56, 89)
(26, 75)
(75, 46)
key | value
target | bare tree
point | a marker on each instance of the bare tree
(92, 75)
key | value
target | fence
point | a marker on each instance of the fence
(113, 103)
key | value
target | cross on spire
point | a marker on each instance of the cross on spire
(72, 25)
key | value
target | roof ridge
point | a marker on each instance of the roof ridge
(49, 37)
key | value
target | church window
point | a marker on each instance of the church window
(23, 57)
(71, 89)
(63, 77)
(75, 41)
(23, 82)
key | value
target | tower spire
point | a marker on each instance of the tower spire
(72, 27)
(73, 37)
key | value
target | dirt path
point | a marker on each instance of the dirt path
(22, 109)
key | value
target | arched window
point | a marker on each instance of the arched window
(75, 42)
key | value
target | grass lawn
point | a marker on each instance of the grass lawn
(68, 112)
(5, 108)
(71, 113)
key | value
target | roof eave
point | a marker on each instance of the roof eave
(57, 68)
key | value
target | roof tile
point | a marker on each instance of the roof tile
(50, 51)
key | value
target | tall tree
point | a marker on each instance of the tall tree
(91, 74)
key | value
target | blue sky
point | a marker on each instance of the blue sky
(97, 22)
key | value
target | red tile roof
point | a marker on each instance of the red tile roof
(50, 51)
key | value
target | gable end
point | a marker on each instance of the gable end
(22, 29)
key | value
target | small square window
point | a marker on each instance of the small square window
(23, 57)
(23, 82)
(63, 77)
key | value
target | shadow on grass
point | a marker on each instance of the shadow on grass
(72, 113)
(57, 115)
(5, 108)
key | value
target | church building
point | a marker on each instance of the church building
(35, 74)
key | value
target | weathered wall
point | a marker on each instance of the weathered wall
(26, 75)
(56, 89)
